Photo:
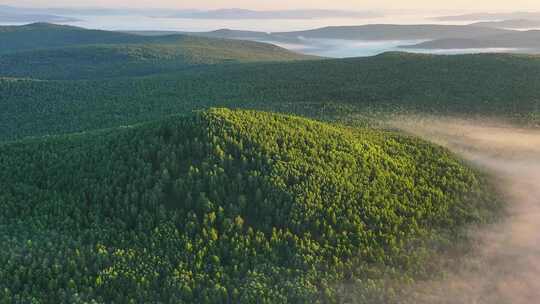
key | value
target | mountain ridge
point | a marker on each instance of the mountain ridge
(521, 41)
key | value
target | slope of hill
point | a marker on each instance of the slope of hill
(372, 32)
(226, 206)
(510, 24)
(366, 32)
(321, 41)
(491, 16)
(39, 36)
(520, 40)
(114, 60)
(237, 34)
(395, 32)
(506, 86)
(46, 35)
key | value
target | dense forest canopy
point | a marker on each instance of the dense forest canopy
(39, 36)
(502, 85)
(99, 79)
(227, 207)
(122, 183)
(102, 54)
(47, 35)
(106, 61)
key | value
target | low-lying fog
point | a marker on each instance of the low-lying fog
(504, 267)
(337, 48)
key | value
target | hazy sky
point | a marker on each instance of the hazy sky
(487, 5)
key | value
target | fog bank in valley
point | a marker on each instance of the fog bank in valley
(504, 266)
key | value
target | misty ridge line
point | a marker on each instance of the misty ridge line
(493, 16)
(226, 13)
(508, 36)
(273, 14)
(504, 266)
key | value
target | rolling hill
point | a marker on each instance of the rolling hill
(491, 16)
(510, 24)
(244, 35)
(524, 41)
(76, 53)
(44, 36)
(47, 35)
(372, 32)
(394, 32)
(505, 86)
(227, 206)
(116, 60)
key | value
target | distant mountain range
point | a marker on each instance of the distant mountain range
(521, 41)
(59, 11)
(375, 32)
(511, 24)
(491, 16)
(52, 13)
(479, 35)
(87, 54)
(279, 14)
(431, 37)
(494, 34)
(13, 15)
(446, 37)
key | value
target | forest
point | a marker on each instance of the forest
(47, 36)
(103, 61)
(504, 86)
(183, 169)
(79, 80)
(227, 206)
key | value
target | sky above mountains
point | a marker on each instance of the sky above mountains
(488, 5)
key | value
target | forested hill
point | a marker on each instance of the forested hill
(122, 60)
(47, 35)
(376, 32)
(57, 51)
(370, 32)
(524, 41)
(226, 207)
(507, 86)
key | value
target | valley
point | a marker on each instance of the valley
(502, 268)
